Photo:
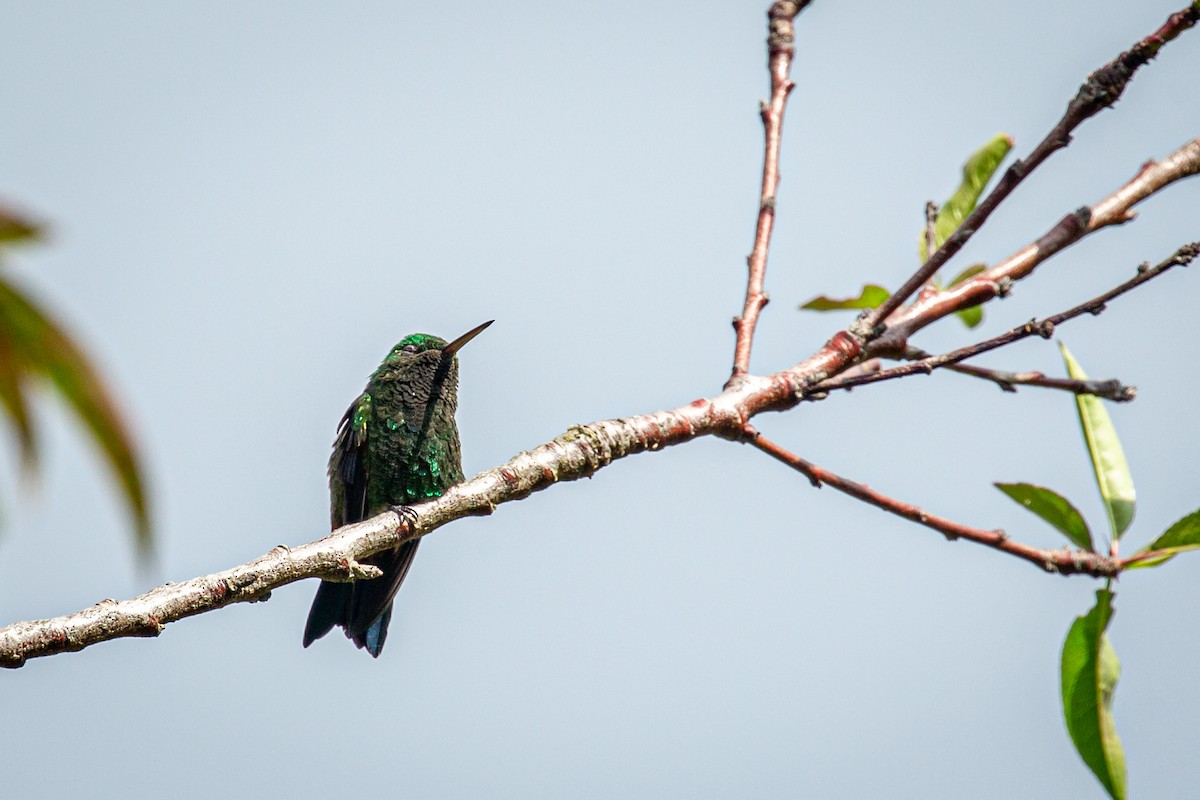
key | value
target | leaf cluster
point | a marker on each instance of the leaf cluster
(35, 350)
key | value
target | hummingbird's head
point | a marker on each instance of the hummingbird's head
(421, 351)
(414, 344)
(415, 353)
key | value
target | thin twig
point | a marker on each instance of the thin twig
(931, 215)
(1111, 389)
(1148, 555)
(1102, 88)
(781, 36)
(1064, 561)
(1044, 328)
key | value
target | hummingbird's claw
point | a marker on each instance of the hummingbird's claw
(408, 517)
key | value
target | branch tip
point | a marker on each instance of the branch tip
(1043, 328)
(780, 51)
(1101, 89)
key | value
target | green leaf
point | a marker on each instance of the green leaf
(1052, 507)
(1183, 535)
(966, 274)
(36, 347)
(1090, 671)
(15, 227)
(974, 315)
(970, 316)
(872, 296)
(975, 176)
(15, 405)
(1108, 459)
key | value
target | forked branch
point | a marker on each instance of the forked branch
(1044, 328)
(1102, 88)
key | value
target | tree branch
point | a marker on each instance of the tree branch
(781, 50)
(1064, 562)
(999, 279)
(1009, 381)
(1102, 88)
(578, 453)
(1044, 328)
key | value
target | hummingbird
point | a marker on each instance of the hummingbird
(396, 444)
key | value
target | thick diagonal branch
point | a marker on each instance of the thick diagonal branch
(578, 453)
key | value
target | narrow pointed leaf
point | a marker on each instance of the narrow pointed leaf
(1108, 459)
(14, 227)
(1090, 671)
(14, 402)
(872, 296)
(1183, 535)
(39, 348)
(975, 176)
(1052, 507)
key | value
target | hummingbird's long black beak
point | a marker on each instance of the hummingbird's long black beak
(457, 344)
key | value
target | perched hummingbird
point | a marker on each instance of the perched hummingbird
(397, 444)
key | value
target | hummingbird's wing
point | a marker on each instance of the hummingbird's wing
(348, 466)
(362, 608)
(347, 503)
(365, 606)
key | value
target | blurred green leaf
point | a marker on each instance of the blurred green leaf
(15, 405)
(1090, 671)
(1052, 507)
(1183, 535)
(970, 316)
(872, 296)
(974, 315)
(975, 176)
(966, 274)
(34, 346)
(14, 227)
(1108, 459)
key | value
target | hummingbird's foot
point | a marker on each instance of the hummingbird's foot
(407, 516)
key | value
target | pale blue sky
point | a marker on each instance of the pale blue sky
(252, 203)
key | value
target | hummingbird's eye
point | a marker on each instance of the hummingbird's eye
(409, 348)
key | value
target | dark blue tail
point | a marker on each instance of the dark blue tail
(333, 606)
(376, 634)
(330, 607)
